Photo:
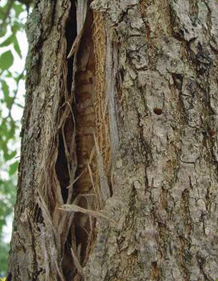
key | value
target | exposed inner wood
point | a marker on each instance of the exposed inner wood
(83, 158)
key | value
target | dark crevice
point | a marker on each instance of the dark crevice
(67, 263)
(81, 239)
(62, 164)
(61, 168)
(83, 231)
(37, 214)
(178, 81)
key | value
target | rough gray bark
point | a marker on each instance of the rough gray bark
(118, 175)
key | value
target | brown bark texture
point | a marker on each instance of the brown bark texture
(118, 175)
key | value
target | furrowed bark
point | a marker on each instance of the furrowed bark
(118, 174)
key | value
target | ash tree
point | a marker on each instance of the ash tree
(118, 172)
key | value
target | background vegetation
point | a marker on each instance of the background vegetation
(13, 15)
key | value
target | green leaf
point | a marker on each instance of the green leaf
(5, 88)
(18, 8)
(9, 74)
(2, 32)
(16, 27)
(17, 47)
(11, 155)
(4, 149)
(13, 168)
(9, 100)
(8, 41)
(6, 60)
(1, 13)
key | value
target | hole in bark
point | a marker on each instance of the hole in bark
(178, 80)
(157, 110)
(155, 271)
(212, 133)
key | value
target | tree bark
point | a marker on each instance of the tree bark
(118, 173)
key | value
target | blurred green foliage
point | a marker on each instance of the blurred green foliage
(12, 21)
(7, 192)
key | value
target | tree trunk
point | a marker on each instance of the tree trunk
(118, 174)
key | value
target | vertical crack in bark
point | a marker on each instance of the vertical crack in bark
(85, 130)
(83, 160)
